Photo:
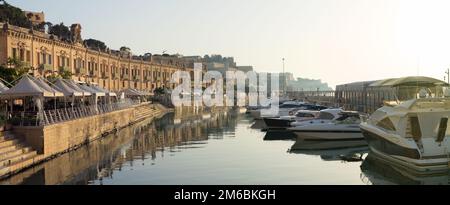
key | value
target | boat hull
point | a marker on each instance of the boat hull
(404, 157)
(274, 123)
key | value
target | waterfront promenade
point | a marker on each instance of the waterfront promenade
(26, 146)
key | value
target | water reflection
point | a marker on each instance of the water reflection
(216, 148)
(259, 125)
(273, 135)
(376, 171)
(99, 160)
(347, 150)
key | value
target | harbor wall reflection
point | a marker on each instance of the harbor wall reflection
(101, 158)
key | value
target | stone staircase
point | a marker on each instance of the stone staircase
(147, 111)
(14, 154)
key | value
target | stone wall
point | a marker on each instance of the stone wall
(61, 137)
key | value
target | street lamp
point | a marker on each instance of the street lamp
(448, 75)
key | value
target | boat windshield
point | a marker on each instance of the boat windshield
(348, 119)
(326, 116)
(405, 93)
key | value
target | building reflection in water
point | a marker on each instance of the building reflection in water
(100, 159)
(376, 171)
(347, 150)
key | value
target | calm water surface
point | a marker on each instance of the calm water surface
(221, 148)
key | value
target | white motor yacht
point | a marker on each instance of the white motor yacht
(283, 109)
(284, 122)
(413, 133)
(325, 116)
(346, 127)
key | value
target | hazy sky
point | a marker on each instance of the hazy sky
(337, 41)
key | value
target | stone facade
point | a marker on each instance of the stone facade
(112, 70)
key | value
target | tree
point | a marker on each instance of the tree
(60, 30)
(14, 70)
(95, 44)
(65, 74)
(13, 15)
(159, 91)
(125, 49)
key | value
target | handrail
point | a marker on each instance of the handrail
(49, 117)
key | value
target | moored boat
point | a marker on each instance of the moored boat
(346, 127)
(413, 133)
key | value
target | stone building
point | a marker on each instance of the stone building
(35, 17)
(114, 70)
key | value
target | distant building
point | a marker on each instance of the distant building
(245, 69)
(303, 84)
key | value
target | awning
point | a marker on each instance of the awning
(419, 81)
(92, 90)
(3, 87)
(108, 93)
(76, 87)
(132, 92)
(26, 87)
(67, 90)
(41, 82)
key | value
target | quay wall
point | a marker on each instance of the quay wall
(53, 140)
(57, 138)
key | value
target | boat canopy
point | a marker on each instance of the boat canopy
(27, 87)
(419, 81)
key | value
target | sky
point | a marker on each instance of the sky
(338, 41)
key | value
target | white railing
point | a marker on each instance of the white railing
(49, 117)
(66, 114)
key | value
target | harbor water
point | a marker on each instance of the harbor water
(221, 148)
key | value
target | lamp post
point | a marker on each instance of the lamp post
(284, 78)
(448, 75)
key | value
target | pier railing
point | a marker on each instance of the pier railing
(49, 117)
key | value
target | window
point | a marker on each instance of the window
(14, 52)
(28, 56)
(305, 115)
(44, 59)
(49, 59)
(416, 131)
(22, 54)
(326, 116)
(442, 130)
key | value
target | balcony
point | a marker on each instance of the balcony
(136, 78)
(45, 67)
(64, 69)
(104, 75)
(124, 76)
(79, 71)
(92, 74)
(114, 76)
